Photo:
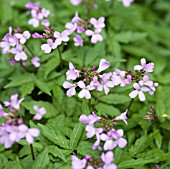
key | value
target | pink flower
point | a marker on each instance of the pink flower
(29, 134)
(14, 103)
(37, 35)
(76, 2)
(78, 41)
(107, 157)
(49, 46)
(91, 119)
(95, 36)
(72, 73)
(144, 66)
(45, 23)
(61, 37)
(35, 61)
(71, 87)
(127, 3)
(32, 5)
(23, 37)
(103, 65)
(40, 111)
(19, 53)
(122, 117)
(138, 92)
(77, 163)
(85, 90)
(98, 23)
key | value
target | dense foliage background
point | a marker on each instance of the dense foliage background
(142, 30)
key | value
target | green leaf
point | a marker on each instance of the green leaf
(19, 165)
(56, 152)
(105, 109)
(43, 86)
(134, 163)
(158, 139)
(51, 65)
(56, 138)
(58, 93)
(115, 99)
(20, 80)
(26, 88)
(76, 135)
(41, 161)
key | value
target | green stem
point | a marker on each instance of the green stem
(32, 152)
(61, 61)
(29, 49)
(130, 104)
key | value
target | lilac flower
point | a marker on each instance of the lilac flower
(117, 134)
(98, 23)
(32, 5)
(95, 36)
(71, 87)
(78, 41)
(14, 103)
(109, 143)
(152, 88)
(103, 65)
(96, 144)
(105, 84)
(49, 46)
(91, 119)
(77, 163)
(61, 37)
(19, 53)
(40, 111)
(45, 23)
(126, 3)
(138, 92)
(35, 61)
(123, 117)
(91, 131)
(95, 82)
(107, 158)
(144, 66)
(146, 81)
(76, 2)
(37, 35)
(29, 134)
(23, 37)
(85, 90)
(72, 73)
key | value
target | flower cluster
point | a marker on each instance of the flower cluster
(12, 43)
(92, 79)
(38, 14)
(152, 116)
(88, 162)
(14, 130)
(126, 3)
(92, 28)
(103, 130)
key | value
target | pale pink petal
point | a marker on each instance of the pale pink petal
(141, 96)
(133, 94)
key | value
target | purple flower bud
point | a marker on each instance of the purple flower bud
(84, 69)
(93, 68)
(37, 35)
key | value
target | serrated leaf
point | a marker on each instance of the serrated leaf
(51, 65)
(105, 109)
(43, 86)
(115, 99)
(20, 80)
(134, 163)
(56, 138)
(56, 152)
(76, 135)
(26, 88)
(41, 161)
(58, 93)
(19, 165)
